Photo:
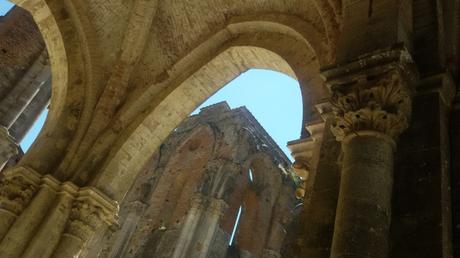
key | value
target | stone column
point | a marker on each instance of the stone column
(35, 210)
(189, 226)
(421, 223)
(12, 106)
(16, 191)
(26, 120)
(372, 108)
(455, 171)
(90, 212)
(15, 242)
(208, 226)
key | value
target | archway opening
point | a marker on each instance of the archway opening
(25, 88)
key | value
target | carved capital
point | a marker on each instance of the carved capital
(382, 105)
(90, 210)
(17, 188)
(372, 93)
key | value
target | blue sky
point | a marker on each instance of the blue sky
(5, 6)
(273, 98)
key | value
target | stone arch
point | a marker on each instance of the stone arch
(91, 58)
(75, 67)
(279, 50)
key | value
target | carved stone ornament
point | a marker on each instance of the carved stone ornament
(17, 188)
(15, 194)
(379, 104)
(89, 212)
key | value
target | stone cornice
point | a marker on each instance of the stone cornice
(374, 62)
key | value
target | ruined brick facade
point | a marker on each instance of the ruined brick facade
(185, 202)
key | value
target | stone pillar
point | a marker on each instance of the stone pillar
(209, 223)
(189, 226)
(8, 147)
(372, 102)
(455, 172)
(119, 241)
(12, 106)
(364, 205)
(26, 120)
(318, 217)
(16, 191)
(90, 211)
(421, 223)
(17, 100)
(36, 210)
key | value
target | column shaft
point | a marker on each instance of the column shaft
(48, 236)
(188, 229)
(364, 206)
(40, 209)
(24, 91)
(91, 211)
(26, 120)
(23, 229)
(372, 99)
(208, 226)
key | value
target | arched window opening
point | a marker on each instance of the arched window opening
(235, 227)
(251, 175)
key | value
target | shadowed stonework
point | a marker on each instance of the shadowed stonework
(120, 170)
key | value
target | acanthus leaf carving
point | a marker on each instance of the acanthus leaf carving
(382, 105)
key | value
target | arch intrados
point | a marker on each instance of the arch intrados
(162, 116)
(295, 54)
(284, 41)
(290, 25)
(74, 76)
